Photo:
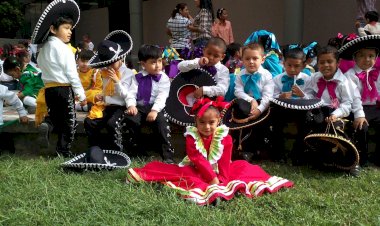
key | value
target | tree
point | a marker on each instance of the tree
(11, 19)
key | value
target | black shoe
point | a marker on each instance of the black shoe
(355, 172)
(43, 135)
(169, 161)
(247, 156)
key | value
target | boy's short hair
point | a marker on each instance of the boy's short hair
(294, 53)
(85, 55)
(216, 41)
(254, 46)
(10, 63)
(372, 16)
(147, 52)
(62, 20)
(327, 50)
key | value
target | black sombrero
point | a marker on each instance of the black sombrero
(98, 159)
(335, 150)
(52, 12)
(298, 104)
(115, 46)
(180, 100)
(236, 116)
(349, 49)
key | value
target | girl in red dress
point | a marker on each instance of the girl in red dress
(207, 173)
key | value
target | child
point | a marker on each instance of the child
(109, 105)
(234, 64)
(372, 27)
(59, 73)
(147, 97)
(213, 53)
(222, 27)
(289, 85)
(29, 77)
(255, 86)
(311, 54)
(207, 174)
(366, 77)
(91, 79)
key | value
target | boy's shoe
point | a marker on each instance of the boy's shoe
(247, 156)
(43, 138)
(169, 161)
(355, 172)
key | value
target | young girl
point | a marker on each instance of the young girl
(223, 28)
(372, 27)
(207, 173)
(178, 27)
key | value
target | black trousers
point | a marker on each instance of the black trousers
(372, 114)
(160, 127)
(60, 103)
(111, 120)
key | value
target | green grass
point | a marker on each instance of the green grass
(37, 192)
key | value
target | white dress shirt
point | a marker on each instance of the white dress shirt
(57, 63)
(278, 84)
(222, 77)
(10, 98)
(265, 85)
(342, 92)
(159, 93)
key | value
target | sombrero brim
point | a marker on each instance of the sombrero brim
(298, 104)
(345, 157)
(348, 50)
(120, 37)
(227, 119)
(53, 11)
(118, 160)
(177, 112)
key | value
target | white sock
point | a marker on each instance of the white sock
(30, 101)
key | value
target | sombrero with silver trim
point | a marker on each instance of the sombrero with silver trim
(56, 9)
(237, 119)
(98, 159)
(115, 46)
(349, 49)
(298, 104)
(181, 99)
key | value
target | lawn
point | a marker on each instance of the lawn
(38, 192)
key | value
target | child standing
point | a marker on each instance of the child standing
(373, 25)
(147, 97)
(213, 53)
(59, 73)
(222, 28)
(207, 174)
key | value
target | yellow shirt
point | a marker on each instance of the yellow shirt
(92, 83)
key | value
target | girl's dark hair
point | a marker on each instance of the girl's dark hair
(327, 50)
(62, 20)
(207, 4)
(294, 53)
(85, 55)
(231, 50)
(147, 52)
(219, 12)
(11, 63)
(372, 16)
(179, 6)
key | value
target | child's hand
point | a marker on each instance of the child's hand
(286, 95)
(214, 181)
(203, 61)
(132, 110)
(98, 97)
(357, 24)
(151, 116)
(331, 118)
(83, 102)
(359, 122)
(255, 113)
(254, 105)
(24, 119)
(112, 75)
(20, 95)
(198, 93)
(297, 91)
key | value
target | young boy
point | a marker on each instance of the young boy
(289, 85)
(147, 97)
(91, 79)
(373, 25)
(59, 73)
(109, 106)
(213, 53)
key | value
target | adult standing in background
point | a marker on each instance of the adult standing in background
(222, 27)
(178, 27)
(363, 6)
(202, 24)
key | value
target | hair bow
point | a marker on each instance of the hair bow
(201, 105)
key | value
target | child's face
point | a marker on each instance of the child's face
(224, 15)
(252, 60)
(365, 58)
(293, 66)
(83, 65)
(152, 66)
(214, 54)
(184, 12)
(327, 65)
(116, 65)
(208, 123)
(15, 73)
(63, 32)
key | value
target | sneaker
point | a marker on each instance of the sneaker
(43, 138)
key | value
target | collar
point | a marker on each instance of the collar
(358, 70)
(245, 72)
(55, 39)
(145, 73)
(338, 76)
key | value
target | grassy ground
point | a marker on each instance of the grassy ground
(37, 192)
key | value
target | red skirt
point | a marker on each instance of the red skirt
(247, 179)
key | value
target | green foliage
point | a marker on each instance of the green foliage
(11, 19)
(38, 192)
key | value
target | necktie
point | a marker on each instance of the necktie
(250, 84)
(368, 80)
(145, 86)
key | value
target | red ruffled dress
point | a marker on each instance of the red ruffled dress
(207, 158)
